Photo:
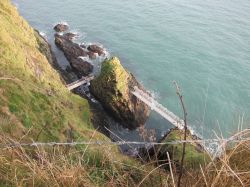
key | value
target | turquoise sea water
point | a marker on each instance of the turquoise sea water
(203, 45)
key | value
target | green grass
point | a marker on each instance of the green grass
(193, 156)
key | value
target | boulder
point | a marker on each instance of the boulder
(72, 52)
(96, 49)
(113, 89)
(81, 66)
(61, 27)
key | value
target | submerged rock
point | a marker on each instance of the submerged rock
(113, 89)
(61, 27)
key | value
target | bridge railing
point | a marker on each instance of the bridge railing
(155, 105)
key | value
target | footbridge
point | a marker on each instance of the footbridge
(83, 80)
(157, 107)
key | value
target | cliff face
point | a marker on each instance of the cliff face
(112, 87)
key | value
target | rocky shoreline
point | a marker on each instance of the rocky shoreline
(112, 88)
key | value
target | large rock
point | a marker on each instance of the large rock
(61, 27)
(72, 52)
(113, 89)
(81, 66)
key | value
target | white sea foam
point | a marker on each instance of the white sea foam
(63, 23)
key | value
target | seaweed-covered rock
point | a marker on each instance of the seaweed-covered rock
(113, 89)
(195, 154)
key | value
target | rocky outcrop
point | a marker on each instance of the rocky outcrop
(69, 35)
(113, 89)
(82, 66)
(195, 155)
(73, 52)
(96, 49)
(61, 27)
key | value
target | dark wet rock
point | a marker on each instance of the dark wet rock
(92, 55)
(81, 66)
(69, 36)
(113, 89)
(96, 49)
(72, 52)
(61, 27)
(83, 46)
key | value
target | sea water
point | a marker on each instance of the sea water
(202, 45)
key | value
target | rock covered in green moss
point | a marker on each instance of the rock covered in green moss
(113, 88)
(194, 154)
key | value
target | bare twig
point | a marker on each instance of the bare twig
(178, 92)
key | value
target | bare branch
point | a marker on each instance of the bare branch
(178, 92)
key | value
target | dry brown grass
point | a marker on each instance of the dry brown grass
(64, 166)
(231, 168)
(73, 166)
